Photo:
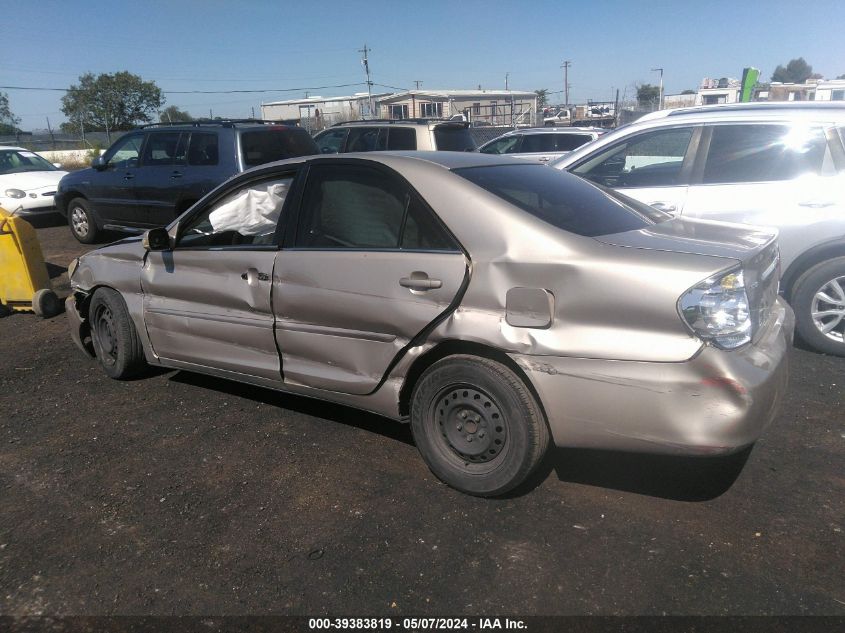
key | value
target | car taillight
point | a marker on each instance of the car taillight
(717, 310)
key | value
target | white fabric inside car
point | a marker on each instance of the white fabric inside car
(253, 211)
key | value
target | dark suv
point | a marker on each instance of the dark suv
(150, 176)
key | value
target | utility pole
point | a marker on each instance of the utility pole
(660, 101)
(565, 65)
(506, 80)
(417, 82)
(52, 138)
(366, 63)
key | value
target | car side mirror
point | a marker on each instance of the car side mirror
(157, 239)
(98, 163)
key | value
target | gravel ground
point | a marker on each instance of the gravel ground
(182, 494)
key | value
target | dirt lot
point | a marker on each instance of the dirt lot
(180, 494)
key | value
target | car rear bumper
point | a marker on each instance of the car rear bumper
(715, 403)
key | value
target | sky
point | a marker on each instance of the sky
(290, 48)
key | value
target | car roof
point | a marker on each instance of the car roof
(555, 130)
(744, 111)
(14, 148)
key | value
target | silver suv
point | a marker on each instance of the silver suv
(542, 143)
(396, 135)
(772, 164)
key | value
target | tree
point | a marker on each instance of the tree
(542, 98)
(108, 102)
(172, 114)
(647, 95)
(797, 71)
(8, 121)
(688, 92)
(841, 77)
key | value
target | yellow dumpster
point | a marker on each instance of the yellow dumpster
(24, 282)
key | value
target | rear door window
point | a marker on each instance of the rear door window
(366, 139)
(401, 138)
(568, 142)
(271, 144)
(453, 138)
(161, 148)
(203, 149)
(538, 143)
(763, 153)
(561, 199)
(648, 159)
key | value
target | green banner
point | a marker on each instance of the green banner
(749, 80)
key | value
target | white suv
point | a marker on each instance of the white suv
(396, 135)
(773, 164)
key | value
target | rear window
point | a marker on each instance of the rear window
(265, 146)
(562, 200)
(568, 142)
(453, 138)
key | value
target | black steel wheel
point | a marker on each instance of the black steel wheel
(477, 425)
(113, 335)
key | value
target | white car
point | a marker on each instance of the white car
(542, 143)
(28, 181)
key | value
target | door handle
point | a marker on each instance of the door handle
(666, 207)
(128, 176)
(420, 281)
(176, 174)
(252, 276)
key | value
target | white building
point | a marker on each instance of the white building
(496, 107)
(830, 90)
(327, 109)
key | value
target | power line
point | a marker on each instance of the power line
(198, 92)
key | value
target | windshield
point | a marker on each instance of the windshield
(453, 138)
(17, 161)
(563, 200)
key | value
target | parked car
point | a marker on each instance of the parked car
(396, 135)
(150, 176)
(541, 144)
(492, 302)
(28, 181)
(772, 164)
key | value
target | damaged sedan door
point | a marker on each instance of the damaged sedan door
(207, 299)
(368, 268)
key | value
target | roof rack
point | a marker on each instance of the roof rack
(220, 122)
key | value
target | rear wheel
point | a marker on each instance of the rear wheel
(81, 221)
(113, 335)
(477, 425)
(819, 302)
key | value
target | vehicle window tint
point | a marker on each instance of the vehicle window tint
(559, 198)
(248, 216)
(203, 149)
(538, 143)
(265, 146)
(401, 138)
(331, 141)
(760, 153)
(423, 230)
(507, 145)
(160, 149)
(125, 152)
(568, 142)
(365, 139)
(453, 138)
(650, 159)
(350, 207)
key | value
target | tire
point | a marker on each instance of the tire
(477, 425)
(46, 304)
(81, 221)
(822, 289)
(116, 343)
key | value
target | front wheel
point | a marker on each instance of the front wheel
(819, 303)
(114, 337)
(477, 425)
(81, 221)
